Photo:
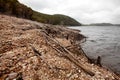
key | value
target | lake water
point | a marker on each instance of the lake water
(103, 41)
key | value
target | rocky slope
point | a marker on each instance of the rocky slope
(36, 51)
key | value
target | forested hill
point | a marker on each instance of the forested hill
(13, 7)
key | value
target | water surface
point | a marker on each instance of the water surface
(103, 41)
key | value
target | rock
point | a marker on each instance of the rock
(12, 76)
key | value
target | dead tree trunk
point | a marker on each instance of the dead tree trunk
(67, 54)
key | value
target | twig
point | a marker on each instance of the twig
(35, 51)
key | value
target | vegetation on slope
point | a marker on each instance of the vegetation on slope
(13, 7)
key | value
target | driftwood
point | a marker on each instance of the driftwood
(37, 53)
(65, 52)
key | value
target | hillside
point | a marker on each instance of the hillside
(34, 51)
(13, 7)
(101, 24)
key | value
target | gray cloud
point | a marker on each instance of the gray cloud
(85, 11)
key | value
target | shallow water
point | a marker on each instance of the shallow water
(103, 41)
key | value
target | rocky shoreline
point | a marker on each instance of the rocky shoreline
(36, 51)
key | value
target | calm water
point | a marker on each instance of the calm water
(103, 41)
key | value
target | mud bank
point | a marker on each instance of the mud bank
(36, 51)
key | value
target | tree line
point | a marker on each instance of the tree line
(13, 7)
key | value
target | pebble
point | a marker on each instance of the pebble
(12, 76)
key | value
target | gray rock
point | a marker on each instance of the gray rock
(12, 76)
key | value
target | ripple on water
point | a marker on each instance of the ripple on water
(103, 41)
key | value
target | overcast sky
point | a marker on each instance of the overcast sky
(84, 11)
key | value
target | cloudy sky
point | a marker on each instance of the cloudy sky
(84, 11)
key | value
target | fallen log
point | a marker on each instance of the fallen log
(68, 54)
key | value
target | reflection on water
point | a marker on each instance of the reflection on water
(103, 41)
